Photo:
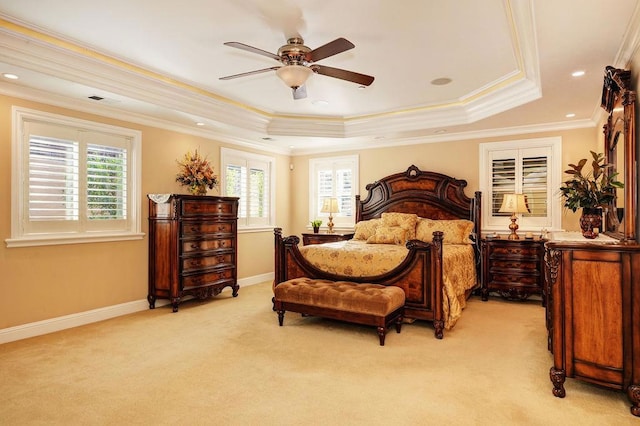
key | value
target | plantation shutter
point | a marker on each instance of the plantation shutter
(250, 181)
(259, 196)
(520, 171)
(333, 177)
(325, 190)
(77, 179)
(534, 184)
(503, 178)
(236, 186)
(53, 190)
(344, 189)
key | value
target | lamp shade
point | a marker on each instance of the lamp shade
(514, 203)
(294, 75)
(330, 205)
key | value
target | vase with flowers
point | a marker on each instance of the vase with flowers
(592, 191)
(196, 173)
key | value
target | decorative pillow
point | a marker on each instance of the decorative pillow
(366, 228)
(388, 235)
(405, 220)
(455, 231)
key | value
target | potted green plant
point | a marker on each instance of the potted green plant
(591, 191)
(316, 225)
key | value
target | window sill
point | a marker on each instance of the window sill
(250, 229)
(58, 239)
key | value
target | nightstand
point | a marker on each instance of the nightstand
(512, 268)
(309, 238)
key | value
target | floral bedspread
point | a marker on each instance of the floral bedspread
(354, 258)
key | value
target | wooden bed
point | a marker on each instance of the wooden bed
(427, 194)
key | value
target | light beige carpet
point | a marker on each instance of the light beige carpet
(225, 361)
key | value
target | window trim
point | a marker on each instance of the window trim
(225, 153)
(340, 222)
(554, 143)
(20, 238)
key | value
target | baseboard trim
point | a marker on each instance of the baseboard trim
(51, 325)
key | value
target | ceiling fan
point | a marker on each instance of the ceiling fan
(299, 62)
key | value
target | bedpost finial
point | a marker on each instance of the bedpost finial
(413, 171)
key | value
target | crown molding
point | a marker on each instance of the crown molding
(36, 50)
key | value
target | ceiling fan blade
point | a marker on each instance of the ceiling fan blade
(362, 79)
(252, 49)
(299, 92)
(244, 74)
(334, 47)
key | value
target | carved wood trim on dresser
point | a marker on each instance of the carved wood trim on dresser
(192, 247)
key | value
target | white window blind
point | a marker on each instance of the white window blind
(333, 177)
(249, 177)
(531, 168)
(80, 180)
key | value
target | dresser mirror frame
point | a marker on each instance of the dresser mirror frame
(620, 150)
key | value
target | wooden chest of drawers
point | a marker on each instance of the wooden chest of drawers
(192, 247)
(512, 268)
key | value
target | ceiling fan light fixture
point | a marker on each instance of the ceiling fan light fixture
(294, 75)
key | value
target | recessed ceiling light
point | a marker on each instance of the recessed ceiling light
(379, 138)
(199, 123)
(320, 102)
(578, 73)
(10, 76)
(570, 115)
(441, 81)
(439, 132)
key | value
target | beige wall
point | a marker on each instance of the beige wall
(459, 159)
(39, 283)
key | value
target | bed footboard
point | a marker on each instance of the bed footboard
(419, 275)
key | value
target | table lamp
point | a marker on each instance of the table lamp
(514, 204)
(330, 205)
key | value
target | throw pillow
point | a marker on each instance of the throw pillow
(405, 220)
(388, 235)
(455, 231)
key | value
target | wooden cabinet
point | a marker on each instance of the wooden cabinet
(192, 247)
(593, 315)
(512, 268)
(308, 238)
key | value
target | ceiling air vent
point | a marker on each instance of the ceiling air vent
(96, 98)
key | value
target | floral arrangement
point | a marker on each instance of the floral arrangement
(196, 173)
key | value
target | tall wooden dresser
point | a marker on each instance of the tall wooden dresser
(192, 247)
(593, 315)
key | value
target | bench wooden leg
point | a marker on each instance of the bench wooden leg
(399, 324)
(280, 317)
(381, 333)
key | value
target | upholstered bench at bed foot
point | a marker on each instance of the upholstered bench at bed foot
(368, 304)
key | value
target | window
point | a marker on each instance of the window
(250, 177)
(334, 177)
(78, 181)
(530, 167)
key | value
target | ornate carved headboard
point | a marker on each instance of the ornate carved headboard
(427, 194)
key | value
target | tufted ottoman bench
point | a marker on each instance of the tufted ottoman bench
(368, 304)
